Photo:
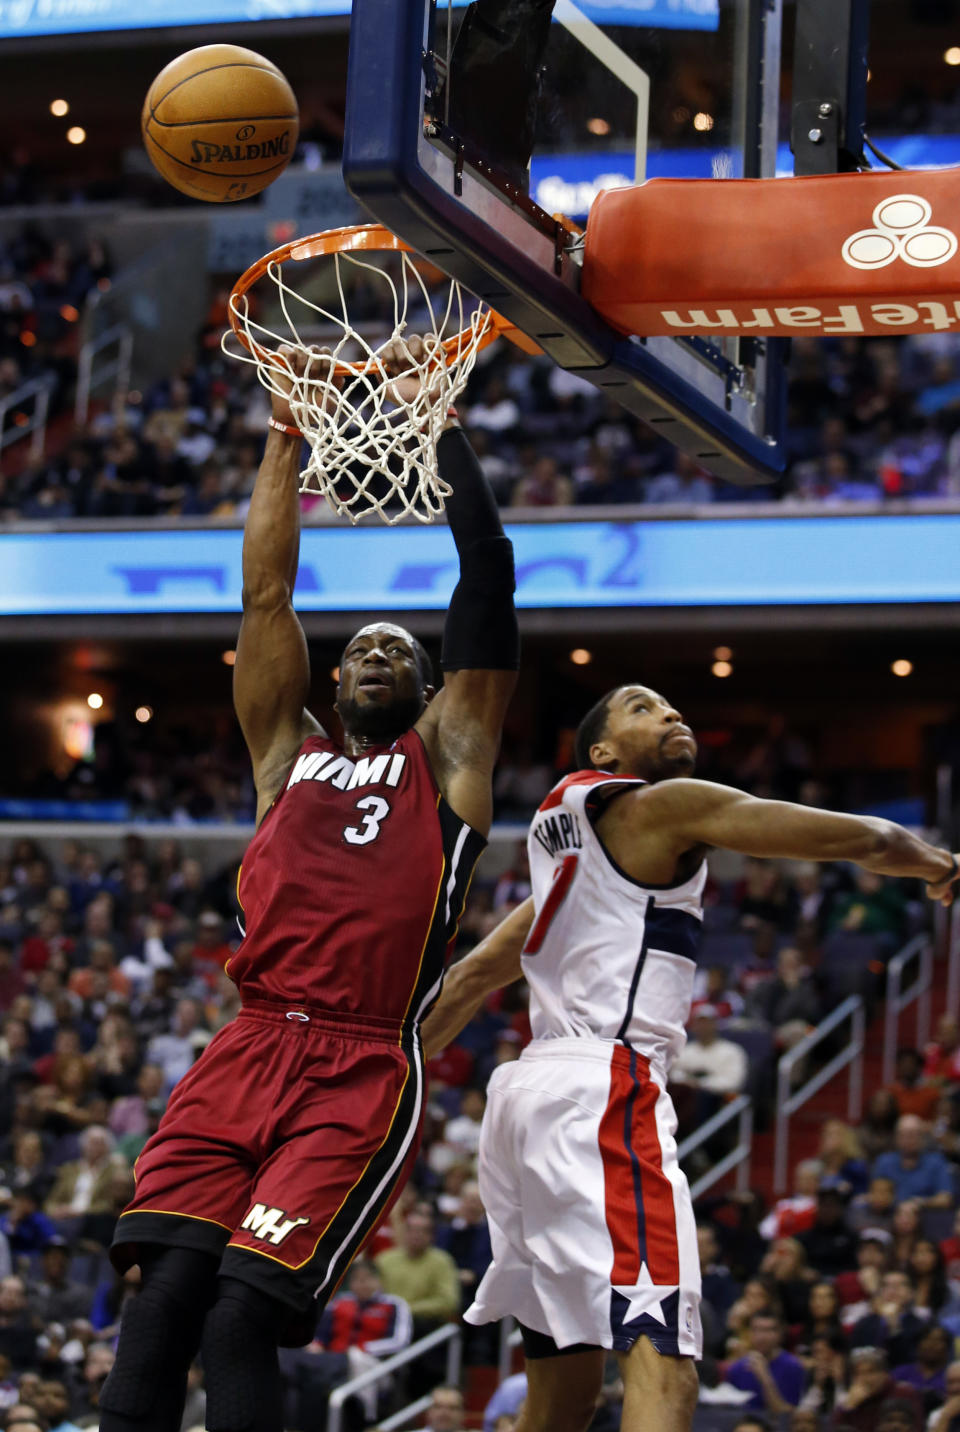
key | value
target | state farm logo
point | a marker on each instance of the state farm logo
(902, 230)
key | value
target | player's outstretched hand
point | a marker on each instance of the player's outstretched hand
(313, 363)
(405, 362)
(945, 890)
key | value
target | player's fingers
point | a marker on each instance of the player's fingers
(417, 348)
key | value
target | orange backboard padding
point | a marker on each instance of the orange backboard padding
(841, 253)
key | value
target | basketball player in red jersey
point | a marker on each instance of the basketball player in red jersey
(281, 1148)
(594, 1240)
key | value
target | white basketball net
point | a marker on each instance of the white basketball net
(372, 450)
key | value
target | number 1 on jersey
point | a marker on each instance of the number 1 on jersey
(562, 880)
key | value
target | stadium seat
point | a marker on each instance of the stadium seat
(724, 949)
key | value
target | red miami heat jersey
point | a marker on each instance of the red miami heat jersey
(607, 957)
(352, 887)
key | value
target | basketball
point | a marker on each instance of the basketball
(220, 123)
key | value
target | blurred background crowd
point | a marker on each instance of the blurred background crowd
(870, 420)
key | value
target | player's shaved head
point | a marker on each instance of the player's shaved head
(591, 730)
(424, 664)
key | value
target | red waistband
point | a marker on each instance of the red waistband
(331, 1021)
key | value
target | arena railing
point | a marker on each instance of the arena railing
(32, 424)
(449, 1334)
(740, 1109)
(115, 370)
(851, 1054)
(919, 949)
(953, 959)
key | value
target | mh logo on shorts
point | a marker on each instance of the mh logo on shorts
(271, 1223)
(902, 230)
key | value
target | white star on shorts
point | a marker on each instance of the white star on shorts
(637, 1293)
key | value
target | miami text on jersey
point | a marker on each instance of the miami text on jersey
(345, 774)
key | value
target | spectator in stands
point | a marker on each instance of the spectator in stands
(53, 1403)
(55, 1298)
(773, 1377)
(543, 486)
(942, 1056)
(841, 1157)
(950, 1248)
(445, 1413)
(918, 1171)
(506, 1401)
(877, 1130)
(826, 1364)
(17, 1333)
(789, 1002)
(26, 1228)
(892, 1323)
(714, 986)
(423, 1275)
(720, 1288)
(874, 907)
(856, 1288)
(463, 1132)
(906, 1231)
(786, 1265)
(829, 1245)
(928, 1370)
(96, 1369)
(176, 1052)
(713, 1066)
(870, 1387)
(83, 1185)
(358, 1326)
(947, 1418)
(467, 1238)
(822, 1320)
(928, 1273)
(790, 1216)
(913, 1093)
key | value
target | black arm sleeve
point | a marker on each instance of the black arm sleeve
(481, 631)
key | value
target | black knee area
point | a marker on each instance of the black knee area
(240, 1359)
(160, 1331)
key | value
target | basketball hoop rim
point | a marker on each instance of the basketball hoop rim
(356, 238)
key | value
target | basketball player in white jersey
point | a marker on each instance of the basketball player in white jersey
(592, 1226)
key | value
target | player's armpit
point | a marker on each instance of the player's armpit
(495, 962)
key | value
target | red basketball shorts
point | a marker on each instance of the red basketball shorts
(280, 1151)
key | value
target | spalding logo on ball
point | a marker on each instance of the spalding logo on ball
(220, 123)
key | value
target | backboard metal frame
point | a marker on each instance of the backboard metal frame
(449, 205)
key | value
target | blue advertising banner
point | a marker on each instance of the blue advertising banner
(66, 17)
(569, 183)
(723, 562)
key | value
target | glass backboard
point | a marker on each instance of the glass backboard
(629, 90)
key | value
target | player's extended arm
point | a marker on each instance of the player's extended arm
(701, 813)
(495, 962)
(271, 675)
(481, 639)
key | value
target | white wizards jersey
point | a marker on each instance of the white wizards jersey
(607, 958)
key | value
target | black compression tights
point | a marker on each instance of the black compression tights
(240, 1360)
(159, 1338)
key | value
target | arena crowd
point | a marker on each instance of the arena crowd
(837, 1306)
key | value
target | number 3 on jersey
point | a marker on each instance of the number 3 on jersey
(562, 880)
(378, 809)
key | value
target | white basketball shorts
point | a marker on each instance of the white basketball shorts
(593, 1234)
